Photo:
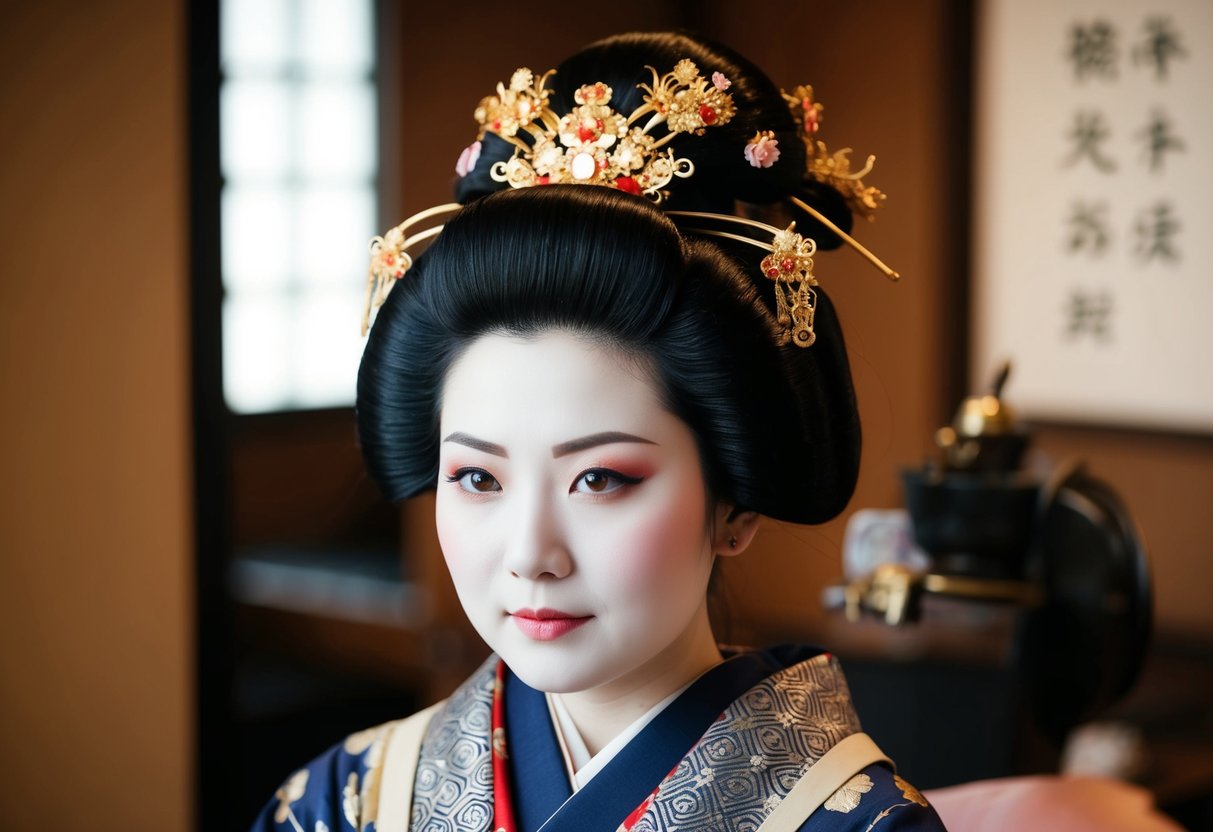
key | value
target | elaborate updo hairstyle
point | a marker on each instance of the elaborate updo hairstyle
(776, 425)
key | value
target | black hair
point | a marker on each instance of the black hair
(776, 425)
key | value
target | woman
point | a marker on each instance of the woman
(606, 402)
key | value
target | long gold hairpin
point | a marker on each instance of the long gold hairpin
(746, 222)
(390, 257)
(846, 238)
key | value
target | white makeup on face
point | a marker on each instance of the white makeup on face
(572, 512)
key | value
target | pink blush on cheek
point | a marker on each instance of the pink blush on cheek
(659, 546)
(457, 536)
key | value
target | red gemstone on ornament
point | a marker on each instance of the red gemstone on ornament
(772, 273)
(628, 185)
(390, 260)
(787, 264)
(543, 180)
(707, 114)
(585, 133)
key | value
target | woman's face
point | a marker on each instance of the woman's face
(571, 510)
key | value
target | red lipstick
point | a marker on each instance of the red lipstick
(547, 624)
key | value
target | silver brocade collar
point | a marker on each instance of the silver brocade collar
(748, 760)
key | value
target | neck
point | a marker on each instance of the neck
(602, 713)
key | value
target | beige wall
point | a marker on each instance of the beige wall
(95, 563)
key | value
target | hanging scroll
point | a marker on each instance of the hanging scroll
(1093, 267)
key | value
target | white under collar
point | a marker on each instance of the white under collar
(581, 767)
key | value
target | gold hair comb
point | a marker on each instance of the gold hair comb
(594, 144)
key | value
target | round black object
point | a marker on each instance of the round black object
(1082, 650)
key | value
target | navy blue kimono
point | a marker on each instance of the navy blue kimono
(717, 759)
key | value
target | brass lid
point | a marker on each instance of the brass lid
(984, 415)
(980, 418)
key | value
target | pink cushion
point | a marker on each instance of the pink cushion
(1048, 803)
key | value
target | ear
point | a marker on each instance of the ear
(733, 530)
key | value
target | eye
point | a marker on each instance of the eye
(475, 480)
(602, 481)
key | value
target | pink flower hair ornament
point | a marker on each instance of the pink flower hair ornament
(467, 159)
(762, 151)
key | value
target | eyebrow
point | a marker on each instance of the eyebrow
(594, 440)
(479, 444)
(573, 446)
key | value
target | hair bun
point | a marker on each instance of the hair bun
(724, 174)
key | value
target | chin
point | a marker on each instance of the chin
(562, 666)
(556, 675)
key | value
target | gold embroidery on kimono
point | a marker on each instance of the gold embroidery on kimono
(847, 796)
(909, 792)
(357, 743)
(288, 793)
(349, 800)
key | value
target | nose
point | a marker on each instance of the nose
(537, 548)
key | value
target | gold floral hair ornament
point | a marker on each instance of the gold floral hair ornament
(390, 257)
(833, 169)
(790, 267)
(788, 264)
(596, 145)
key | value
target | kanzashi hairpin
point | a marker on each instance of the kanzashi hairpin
(833, 169)
(596, 145)
(788, 265)
(391, 258)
